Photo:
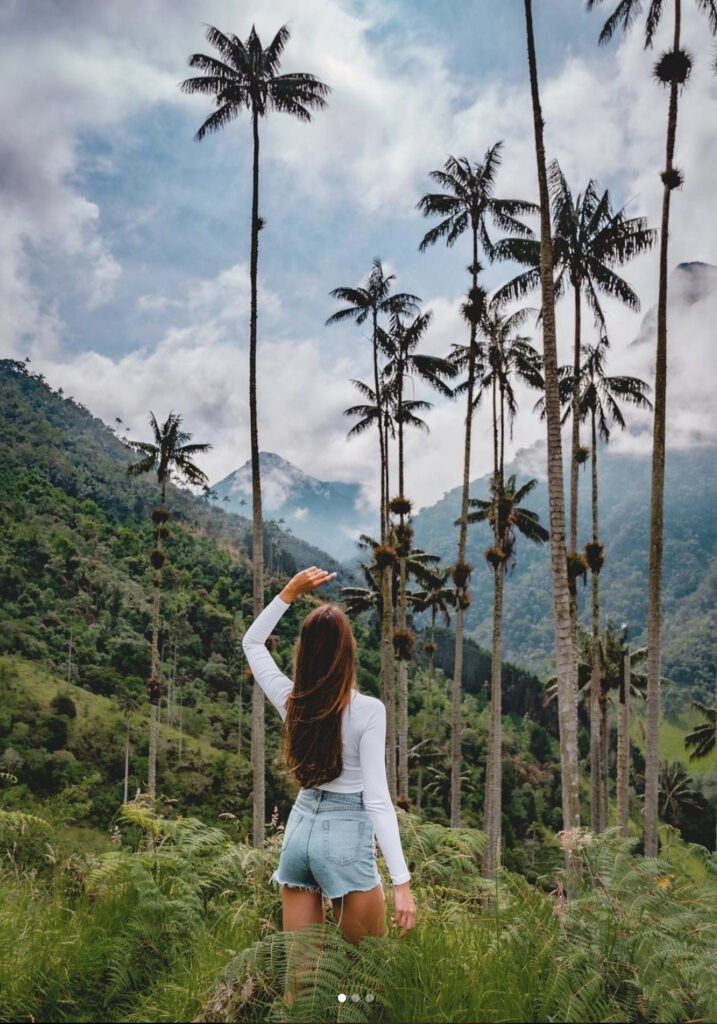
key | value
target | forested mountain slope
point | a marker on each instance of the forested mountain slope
(690, 572)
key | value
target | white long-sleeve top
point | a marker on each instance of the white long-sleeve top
(363, 735)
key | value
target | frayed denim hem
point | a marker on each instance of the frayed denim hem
(365, 888)
(295, 885)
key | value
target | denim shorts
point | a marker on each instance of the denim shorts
(328, 845)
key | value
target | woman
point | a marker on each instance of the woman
(334, 743)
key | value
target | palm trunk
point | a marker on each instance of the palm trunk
(257, 718)
(564, 648)
(494, 728)
(654, 610)
(155, 697)
(403, 662)
(495, 740)
(623, 746)
(463, 588)
(596, 822)
(126, 762)
(426, 709)
(576, 428)
(605, 757)
(388, 684)
(573, 542)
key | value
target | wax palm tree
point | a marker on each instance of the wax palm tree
(600, 398)
(507, 356)
(127, 702)
(370, 302)
(168, 453)
(245, 76)
(404, 365)
(468, 203)
(564, 646)
(437, 599)
(621, 673)
(507, 517)
(589, 239)
(672, 69)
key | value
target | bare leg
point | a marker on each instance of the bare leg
(300, 907)
(361, 913)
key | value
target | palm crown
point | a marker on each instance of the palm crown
(589, 239)
(245, 77)
(169, 453)
(467, 201)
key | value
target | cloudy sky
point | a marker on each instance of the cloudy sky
(124, 243)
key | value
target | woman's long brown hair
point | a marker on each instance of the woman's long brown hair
(324, 675)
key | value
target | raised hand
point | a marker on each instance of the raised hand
(304, 581)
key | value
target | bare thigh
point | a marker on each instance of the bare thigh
(361, 913)
(301, 906)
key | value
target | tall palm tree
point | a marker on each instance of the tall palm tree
(245, 76)
(168, 453)
(599, 399)
(506, 515)
(620, 672)
(370, 302)
(589, 239)
(128, 702)
(403, 366)
(507, 356)
(467, 203)
(672, 69)
(436, 598)
(564, 646)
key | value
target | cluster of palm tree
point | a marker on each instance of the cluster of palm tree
(580, 241)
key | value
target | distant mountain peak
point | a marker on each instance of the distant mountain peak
(328, 514)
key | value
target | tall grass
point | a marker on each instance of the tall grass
(191, 931)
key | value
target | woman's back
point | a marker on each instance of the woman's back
(363, 739)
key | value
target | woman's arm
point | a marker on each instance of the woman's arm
(266, 672)
(376, 795)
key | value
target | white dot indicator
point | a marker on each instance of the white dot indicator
(355, 997)
(342, 997)
(369, 997)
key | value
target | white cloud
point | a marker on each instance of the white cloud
(395, 112)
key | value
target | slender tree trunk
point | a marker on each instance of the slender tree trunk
(462, 589)
(403, 662)
(257, 718)
(426, 708)
(494, 728)
(604, 765)
(126, 761)
(156, 696)
(654, 598)
(387, 659)
(495, 739)
(623, 746)
(576, 427)
(596, 823)
(564, 647)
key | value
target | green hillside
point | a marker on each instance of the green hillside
(75, 631)
(690, 566)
